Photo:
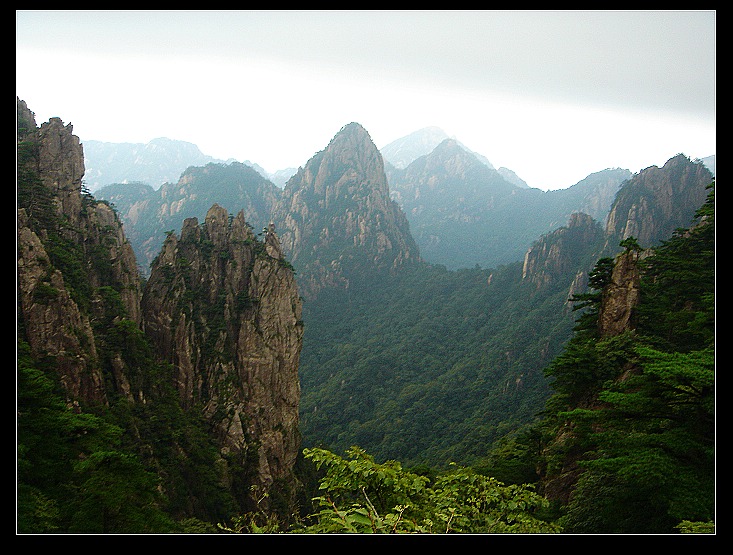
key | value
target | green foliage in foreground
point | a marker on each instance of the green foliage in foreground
(360, 495)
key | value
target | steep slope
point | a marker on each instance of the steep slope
(630, 439)
(431, 365)
(563, 252)
(70, 249)
(224, 310)
(656, 201)
(191, 383)
(336, 219)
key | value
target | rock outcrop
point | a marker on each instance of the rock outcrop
(656, 201)
(621, 295)
(560, 253)
(77, 228)
(224, 309)
(221, 306)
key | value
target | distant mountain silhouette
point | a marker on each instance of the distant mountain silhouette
(157, 162)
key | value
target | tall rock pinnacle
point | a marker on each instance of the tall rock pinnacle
(337, 216)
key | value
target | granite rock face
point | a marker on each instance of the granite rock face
(55, 325)
(337, 217)
(223, 308)
(621, 295)
(656, 201)
(556, 254)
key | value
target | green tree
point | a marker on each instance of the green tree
(677, 309)
(653, 464)
(43, 453)
(363, 496)
(641, 406)
(116, 495)
(72, 472)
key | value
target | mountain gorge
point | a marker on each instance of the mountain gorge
(371, 290)
(412, 311)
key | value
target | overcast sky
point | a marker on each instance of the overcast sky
(551, 95)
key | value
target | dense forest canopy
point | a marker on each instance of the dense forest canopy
(441, 363)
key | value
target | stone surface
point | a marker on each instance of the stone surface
(224, 309)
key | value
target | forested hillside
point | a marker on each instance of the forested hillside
(632, 420)
(429, 366)
(626, 443)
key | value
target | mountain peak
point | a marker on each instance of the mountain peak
(337, 215)
(352, 127)
(402, 152)
(451, 147)
(653, 203)
(353, 138)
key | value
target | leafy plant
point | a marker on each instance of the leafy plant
(363, 496)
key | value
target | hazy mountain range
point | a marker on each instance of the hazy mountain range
(163, 160)
(335, 326)
(159, 161)
(461, 210)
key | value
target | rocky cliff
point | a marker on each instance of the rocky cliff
(648, 207)
(559, 254)
(223, 309)
(337, 217)
(621, 296)
(656, 201)
(70, 249)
